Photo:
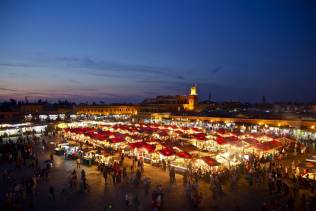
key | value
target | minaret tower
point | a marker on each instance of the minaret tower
(193, 98)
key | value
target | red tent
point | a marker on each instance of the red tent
(221, 131)
(210, 161)
(268, 145)
(183, 154)
(220, 140)
(163, 133)
(116, 140)
(149, 147)
(178, 132)
(200, 136)
(273, 143)
(166, 151)
(250, 141)
(136, 144)
(135, 137)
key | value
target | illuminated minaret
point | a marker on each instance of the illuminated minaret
(193, 98)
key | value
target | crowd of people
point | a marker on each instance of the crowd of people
(278, 175)
(16, 156)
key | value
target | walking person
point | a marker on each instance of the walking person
(52, 193)
(78, 163)
(52, 157)
(105, 175)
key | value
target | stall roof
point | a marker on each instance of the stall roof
(166, 151)
(188, 148)
(136, 144)
(116, 140)
(220, 140)
(210, 161)
(221, 131)
(196, 129)
(251, 141)
(163, 133)
(149, 147)
(286, 140)
(269, 145)
(200, 136)
(183, 154)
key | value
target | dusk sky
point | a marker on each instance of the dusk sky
(125, 51)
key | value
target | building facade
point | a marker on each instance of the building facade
(169, 103)
(106, 109)
(31, 108)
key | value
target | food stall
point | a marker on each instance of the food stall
(166, 155)
(72, 152)
(269, 148)
(229, 159)
(204, 165)
(60, 149)
(181, 162)
(103, 158)
(89, 156)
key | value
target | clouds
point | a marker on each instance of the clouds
(72, 94)
(117, 69)
(217, 69)
(88, 78)
(7, 89)
(16, 65)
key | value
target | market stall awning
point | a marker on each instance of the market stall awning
(116, 140)
(269, 145)
(200, 136)
(166, 151)
(220, 140)
(149, 147)
(221, 131)
(286, 140)
(196, 129)
(136, 144)
(184, 155)
(251, 141)
(210, 161)
(163, 133)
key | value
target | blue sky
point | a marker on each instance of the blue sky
(125, 51)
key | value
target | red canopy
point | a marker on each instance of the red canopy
(210, 161)
(195, 129)
(80, 130)
(251, 141)
(136, 144)
(220, 140)
(183, 154)
(149, 147)
(268, 145)
(273, 143)
(200, 136)
(163, 133)
(221, 131)
(166, 151)
(135, 137)
(116, 140)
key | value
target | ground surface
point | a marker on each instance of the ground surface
(245, 198)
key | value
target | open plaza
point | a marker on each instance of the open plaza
(155, 105)
(124, 163)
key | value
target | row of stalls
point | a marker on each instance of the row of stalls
(309, 169)
(90, 155)
(169, 145)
